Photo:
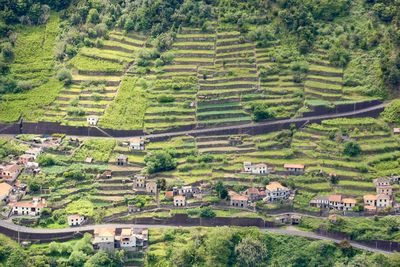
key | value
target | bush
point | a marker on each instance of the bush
(261, 112)
(8, 53)
(160, 161)
(165, 98)
(44, 161)
(207, 212)
(339, 57)
(64, 75)
(392, 112)
(352, 149)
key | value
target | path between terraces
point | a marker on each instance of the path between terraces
(283, 231)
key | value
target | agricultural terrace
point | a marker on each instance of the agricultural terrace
(34, 69)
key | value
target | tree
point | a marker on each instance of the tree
(207, 212)
(352, 149)
(261, 112)
(99, 259)
(160, 161)
(221, 190)
(8, 53)
(64, 75)
(93, 16)
(77, 258)
(251, 252)
(44, 160)
(392, 112)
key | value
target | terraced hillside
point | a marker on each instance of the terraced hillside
(97, 74)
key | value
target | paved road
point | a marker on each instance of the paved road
(267, 123)
(284, 231)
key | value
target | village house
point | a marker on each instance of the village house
(239, 201)
(139, 181)
(122, 160)
(370, 200)
(294, 168)
(383, 201)
(132, 239)
(179, 201)
(88, 160)
(320, 202)
(396, 130)
(75, 219)
(253, 194)
(260, 168)
(104, 238)
(188, 191)
(349, 204)
(5, 190)
(383, 186)
(30, 208)
(169, 195)
(10, 172)
(34, 151)
(32, 167)
(288, 219)
(151, 187)
(137, 143)
(335, 202)
(92, 120)
(107, 174)
(25, 158)
(274, 191)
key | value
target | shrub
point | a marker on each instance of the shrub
(392, 112)
(261, 112)
(8, 53)
(352, 149)
(165, 98)
(64, 75)
(207, 212)
(160, 161)
(339, 56)
(44, 161)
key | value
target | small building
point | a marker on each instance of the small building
(396, 130)
(275, 191)
(92, 120)
(336, 202)
(381, 181)
(30, 208)
(179, 201)
(384, 189)
(383, 201)
(5, 190)
(320, 202)
(75, 219)
(139, 181)
(104, 238)
(349, 203)
(137, 143)
(88, 160)
(239, 201)
(151, 187)
(127, 239)
(253, 194)
(10, 173)
(107, 174)
(169, 195)
(260, 168)
(294, 168)
(122, 160)
(370, 200)
(34, 151)
(25, 158)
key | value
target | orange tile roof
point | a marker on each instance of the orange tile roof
(169, 194)
(273, 186)
(349, 201)
(104, 231)
(12, 168)
(179, 197)
(369, 197)
(74, 216)
(335, 198)
(29, 204)
(239, 198)
(297, 166)
(5, 189)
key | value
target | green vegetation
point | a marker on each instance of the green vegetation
(223, 246)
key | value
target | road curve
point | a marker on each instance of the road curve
(90, 228)
(268, 123)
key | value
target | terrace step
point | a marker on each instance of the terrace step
(230, 86)
(235, 55)
(194, 39)
(227, 80)
(118, 48)
(325, 73)
(124, 41)
(321, 80)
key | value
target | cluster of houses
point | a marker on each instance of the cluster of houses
(181, 194)
(263, 169)
(372, 202)
(131, 239)
(273, 192)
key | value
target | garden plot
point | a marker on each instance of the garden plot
(95, 83)
(280, 91)
(324, 81)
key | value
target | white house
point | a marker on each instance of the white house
(139, 181)
(151, 187)
(294, 168)
(92, 120)
(274, 191)
(179, 201)
(320, 202)
(260, 168)
(383, 201)
(104, 238)
(127, 239)
(75, 219)
(30, 208)
(137, 143)
(10, 172)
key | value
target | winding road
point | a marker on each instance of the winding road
(76, 231)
